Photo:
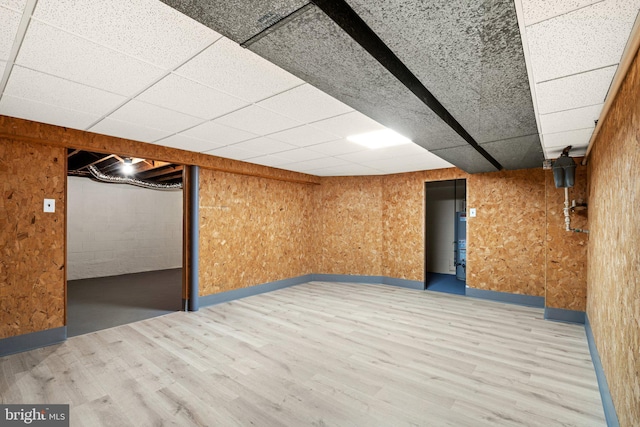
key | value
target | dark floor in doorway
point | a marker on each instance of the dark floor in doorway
(105, 302)
(445, 283)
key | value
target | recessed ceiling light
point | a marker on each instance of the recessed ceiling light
(379, 139)
(127, 166)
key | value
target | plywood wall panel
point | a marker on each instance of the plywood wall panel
(505, 242)
(32, 254)
(351, 233)
(566, 263)
(613, 277)
(252, 231)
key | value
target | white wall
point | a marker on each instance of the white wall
(441, 208)
(117, 229)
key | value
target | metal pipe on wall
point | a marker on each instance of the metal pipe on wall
(194, 235)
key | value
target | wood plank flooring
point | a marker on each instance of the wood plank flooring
(321, 354)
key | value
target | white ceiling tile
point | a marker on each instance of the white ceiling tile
(62, 54)
(270, 160)
(257, 120)
(227, 67)
(184, 142)
(180, 94)
(575, 138)
(384, 153)
(155, 117)
(578, 118)
(17, 5)
(219, 134)
(40, 87)
(574, 91)
(300, 155)
(303, 136)
(310, 165)
(346, 170)
(536, 10)
(2, 67)
(306, 104)
(146, 29)
(264, 145)
(231, 152)
(426, 161)
(45, 113)
(353, 123)
(336, 148)
(589, 38)
(128, 130)
(9, 21)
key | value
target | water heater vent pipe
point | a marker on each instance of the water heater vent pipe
(567, 218)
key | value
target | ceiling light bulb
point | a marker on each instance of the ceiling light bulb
(127, 166)
(379, 139)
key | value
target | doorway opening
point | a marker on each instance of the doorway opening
(446, 236)
(124, 240)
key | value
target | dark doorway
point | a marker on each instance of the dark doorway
(445, 236)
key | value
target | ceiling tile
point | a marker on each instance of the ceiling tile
(303, 136)
(306, 104)
(348, 124)
(184, 142)
(219, 134)
(264, 145)
(368, 155)
(17, 5)
(346, 170)
(229, 68)
(299, 155)
(522, 152)
(257, 120)
(45, 113)
(231, 152)
(2, 67)
(536, 10)
(576, 138)
(59, 53)
(336, 148)
(180, 94)
(40, 87)
(589, 38)
(270, 160)
(9, 21)
(578, 118)
(466, 158)
(309, 165)
(146, 29)
(155, 117)
(128, 130)
(574, 91)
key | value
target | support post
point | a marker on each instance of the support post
(194, 237)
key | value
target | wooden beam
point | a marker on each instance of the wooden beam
(97, 161)
(73, 153)
(159, 172)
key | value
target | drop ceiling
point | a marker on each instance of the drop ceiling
(173, 73)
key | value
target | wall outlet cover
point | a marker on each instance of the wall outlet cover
(472, 212)
(50, 205)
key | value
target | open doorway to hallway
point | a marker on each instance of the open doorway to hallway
(445, 236)
(124, 240)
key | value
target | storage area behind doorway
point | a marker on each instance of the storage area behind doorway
(124, 240)
(445, 236)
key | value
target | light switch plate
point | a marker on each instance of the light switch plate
(472, 212)
(50, 205)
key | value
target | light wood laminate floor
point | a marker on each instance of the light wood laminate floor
(321, 354)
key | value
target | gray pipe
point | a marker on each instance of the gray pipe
(194, 234)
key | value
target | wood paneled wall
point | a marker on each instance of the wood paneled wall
(252, 231)
(32, 252)
(613, 274)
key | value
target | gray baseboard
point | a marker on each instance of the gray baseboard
(528, 300)
(564, 315)
(252, 290)
(372, 280)
(607, 402)
(32, 341)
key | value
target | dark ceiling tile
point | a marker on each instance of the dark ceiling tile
(466, 158)
(523, 152)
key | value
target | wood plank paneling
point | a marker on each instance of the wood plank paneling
(613, 276)
(32, 251)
